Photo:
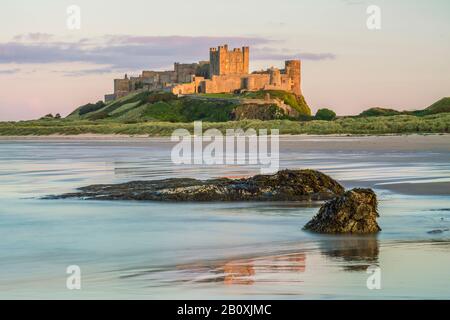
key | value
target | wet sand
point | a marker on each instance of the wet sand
(221, 250)
(375, 149)
(437, 142)
(430, 188)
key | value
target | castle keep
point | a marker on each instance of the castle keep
(227, 71)
(223, 61)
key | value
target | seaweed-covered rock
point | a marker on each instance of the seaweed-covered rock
(285, 185)
(353, 212)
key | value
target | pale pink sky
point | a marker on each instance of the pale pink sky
(45, 67)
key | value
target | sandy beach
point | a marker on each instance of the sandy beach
(438, 142)
(373, 146)
(222, 250)
(430, 188)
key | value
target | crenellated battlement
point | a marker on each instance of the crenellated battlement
(226, 71)
(222, 61)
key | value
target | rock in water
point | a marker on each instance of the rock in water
(353, 212)
(285, 185)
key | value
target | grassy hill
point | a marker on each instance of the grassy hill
(159, 113)
(164, 106)
(398, 124)
(441, 106)
(379, 112)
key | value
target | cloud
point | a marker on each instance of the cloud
(33, 37)
(316, 56)
(86, 72)
(273, 54)
(10, 71)
(126, 52)
(121, 52)
(301, 56)
(353, 2)
(14, 52)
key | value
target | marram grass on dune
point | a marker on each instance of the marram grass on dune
(397, 124)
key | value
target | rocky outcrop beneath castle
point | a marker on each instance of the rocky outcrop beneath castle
(285, 185)
(353, 212)
(263, 109)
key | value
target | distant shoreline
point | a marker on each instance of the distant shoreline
(112, 136)
(331, 143)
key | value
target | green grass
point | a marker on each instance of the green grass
(156, 106)
(163, 111)
(188, 110)
(125, 108)
(163, 106)
(375, 112)
(208, 110)
(441, 106)
(399, 124)
(107, 110)
(159, 113)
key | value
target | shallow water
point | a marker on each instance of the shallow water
(214, 250)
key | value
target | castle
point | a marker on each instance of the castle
(227, 71)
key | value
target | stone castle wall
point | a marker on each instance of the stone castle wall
(226, 72)
(184, 72)
(122, 87)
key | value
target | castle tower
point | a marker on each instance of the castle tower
(246, 60)
(275, 76)
(222, 61)
(293, 70)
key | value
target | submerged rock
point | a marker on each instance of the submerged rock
(437, 231)
(353, 212)
(285, 185)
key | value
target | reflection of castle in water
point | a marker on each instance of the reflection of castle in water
(236, 272)
(251, 271)
(347, 253)
(351, 253)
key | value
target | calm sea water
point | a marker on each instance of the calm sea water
(149, 250)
